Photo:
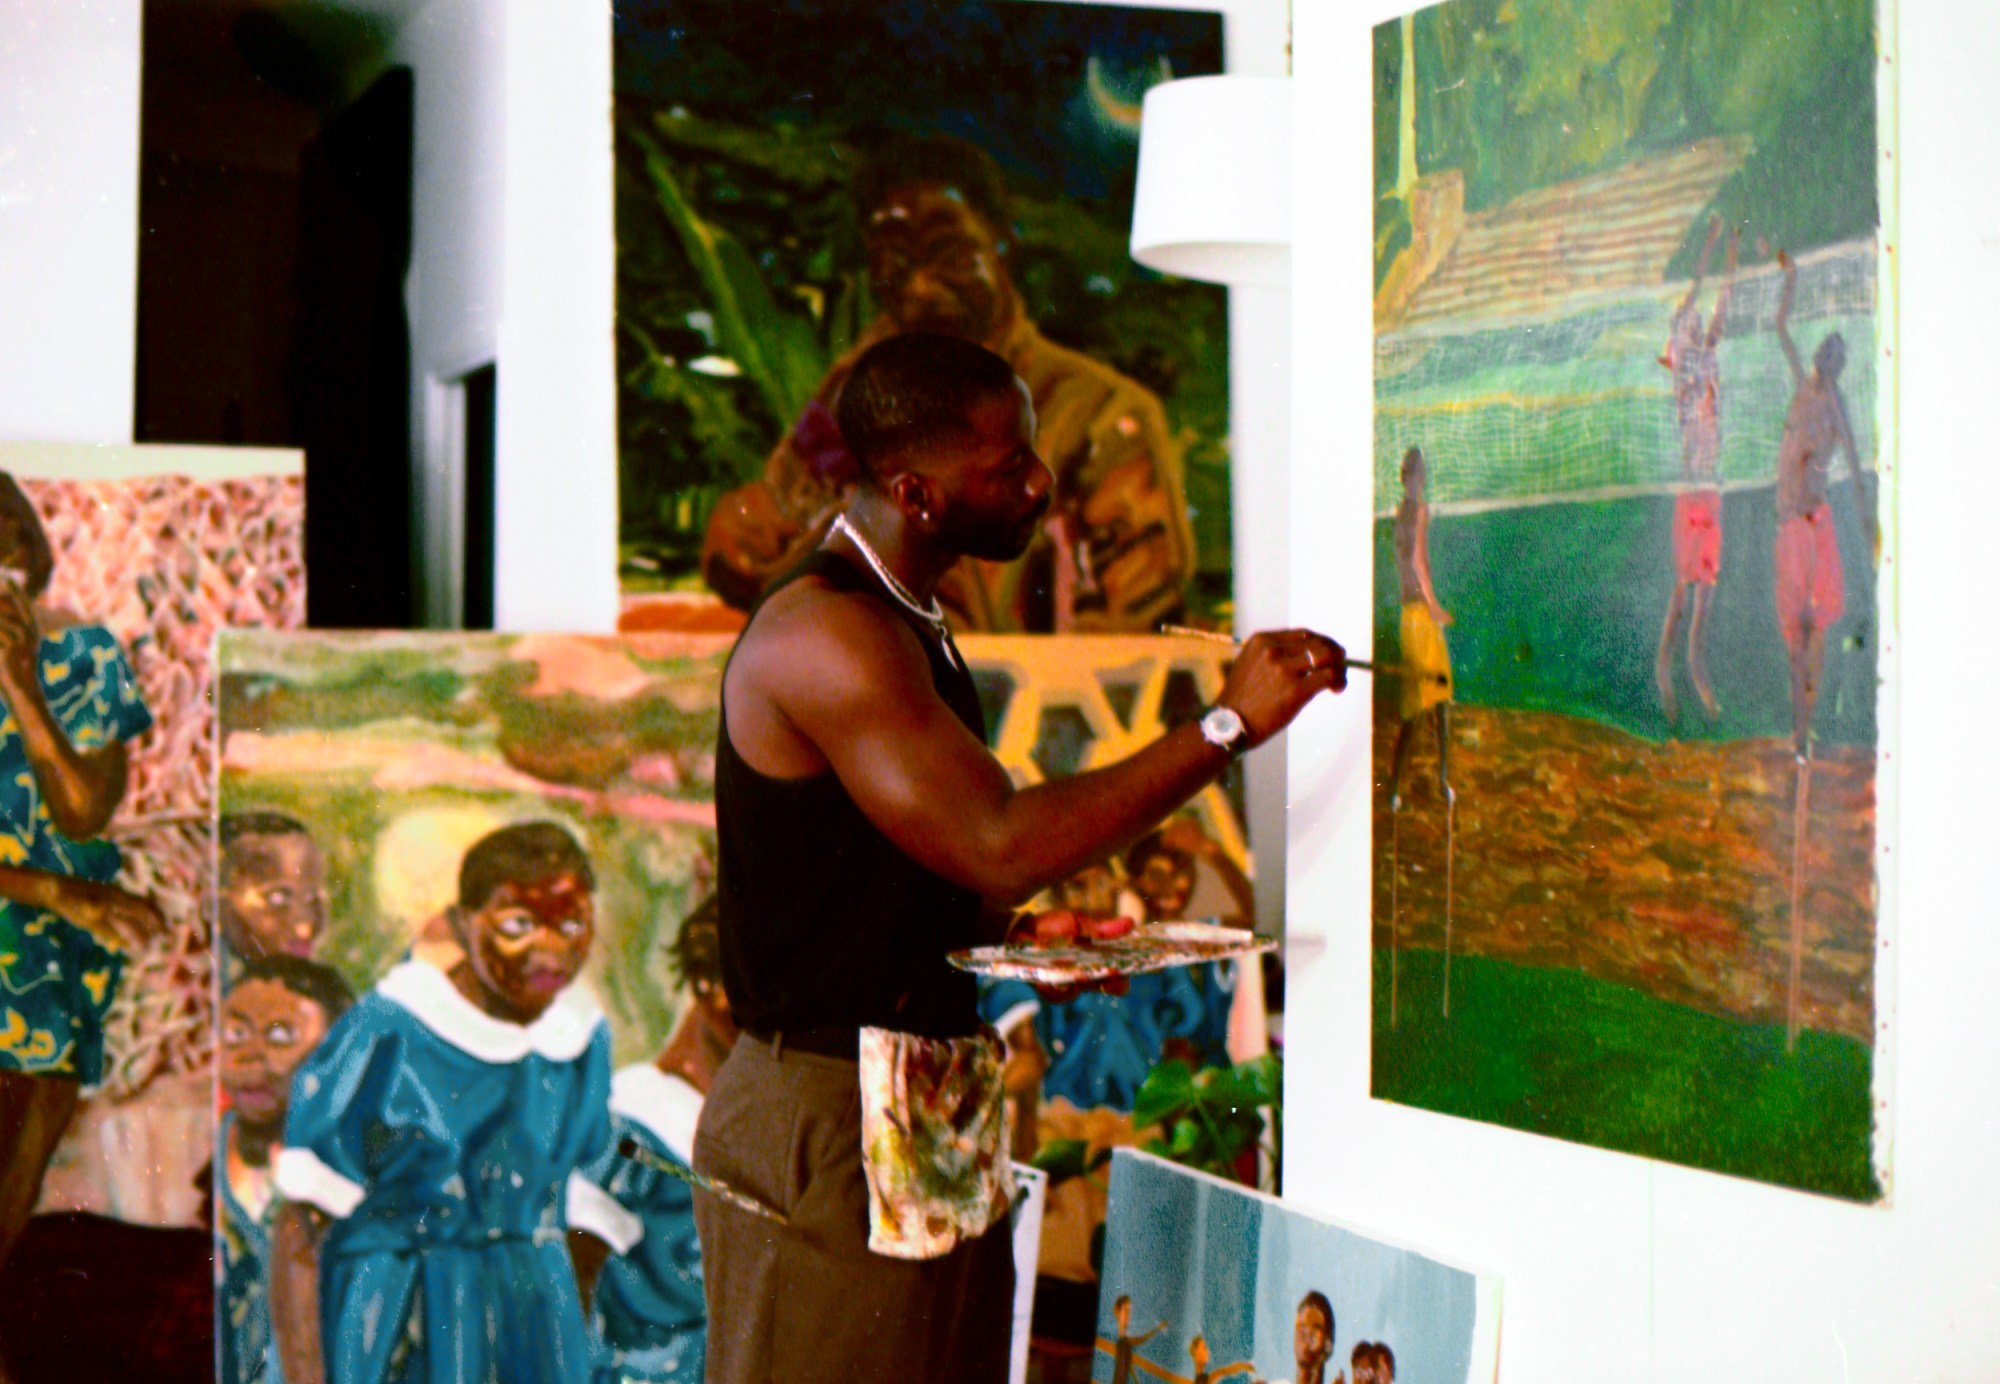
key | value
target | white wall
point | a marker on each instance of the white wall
(456, 51)
(557, 526)
(511, 265)
(1616, 1268)
(69, 218)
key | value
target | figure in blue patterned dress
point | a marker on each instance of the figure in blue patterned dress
(275, 1014)
(432, 1153)
(71, 701)
(648, 1307)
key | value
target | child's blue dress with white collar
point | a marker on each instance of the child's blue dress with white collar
(445, 1144)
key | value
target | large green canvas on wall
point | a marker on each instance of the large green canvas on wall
(1633, 532)
(797, 180)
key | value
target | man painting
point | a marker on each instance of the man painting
(1811, 590)
(1690, 355)
(1118, 546)
(861, 826)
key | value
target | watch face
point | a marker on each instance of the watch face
(1222, 727)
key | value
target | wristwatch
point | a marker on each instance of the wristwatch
(1225, 730)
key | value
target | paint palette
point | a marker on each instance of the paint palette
(1152, 947)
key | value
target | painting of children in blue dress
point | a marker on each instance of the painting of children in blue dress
(1075, 1068)
(527, 909)
(434, 1148)
(275, 1013)
(1244, 1286)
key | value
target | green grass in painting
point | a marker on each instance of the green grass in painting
(1558, 608)
(1559, 1053)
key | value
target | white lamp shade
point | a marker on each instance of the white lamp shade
(1214, 199)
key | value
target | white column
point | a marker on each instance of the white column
(556, 525)
(69, 216)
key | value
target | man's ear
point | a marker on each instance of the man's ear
(912, 493)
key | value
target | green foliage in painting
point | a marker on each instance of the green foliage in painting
(722, 333)
(1208, 1119)
(1064, 1159)
(1519, 94)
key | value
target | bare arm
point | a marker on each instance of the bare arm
(852, 682)
(108, 913)
(1785, 297)
(295, 1325)
(81, 787)
(1141, 1340)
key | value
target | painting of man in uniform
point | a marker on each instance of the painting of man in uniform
(1631, 327)
(117, 567)
(787, 198)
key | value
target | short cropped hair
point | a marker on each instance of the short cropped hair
(236, 825)
(913, 390)
(309, 980)
(525, 851)
(22, 536)
(1318, 1300)
(906, 160)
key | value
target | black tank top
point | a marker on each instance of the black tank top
(824, 921)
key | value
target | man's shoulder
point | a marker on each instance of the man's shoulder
(815, 629)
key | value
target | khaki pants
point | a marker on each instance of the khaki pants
(811, 1302)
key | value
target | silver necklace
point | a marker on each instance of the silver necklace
(934, 617)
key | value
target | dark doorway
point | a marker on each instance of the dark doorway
(351, 375)
(479, 392)
(275, 209)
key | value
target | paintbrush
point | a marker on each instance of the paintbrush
(701, 1182)
(1217, 637)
